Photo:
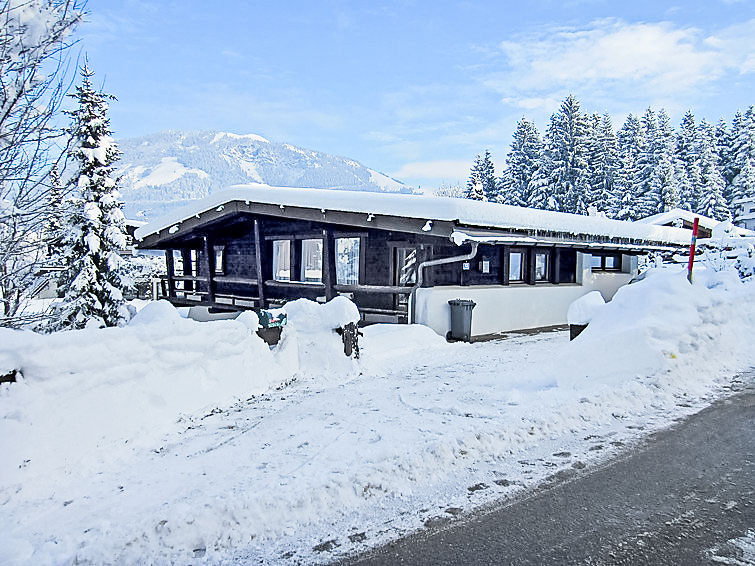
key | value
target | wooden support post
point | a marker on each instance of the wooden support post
(188, 268)
(556, 267)
(530, 266)
(170, 267)
(208, 254)
(295, 260)
(328, 263)
(258, 262)
(505, 264)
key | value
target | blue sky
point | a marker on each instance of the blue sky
(413, 89)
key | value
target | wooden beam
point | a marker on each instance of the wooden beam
(505, 264)
(208, 254)
(384, 289)
(556, 266)
(170, 268)
(258, 261)
(328, 263)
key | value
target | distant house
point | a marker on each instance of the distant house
(685, 219)
(744, 213)
(401, 258)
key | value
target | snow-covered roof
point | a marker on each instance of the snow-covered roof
(463, 212)
(677, 214)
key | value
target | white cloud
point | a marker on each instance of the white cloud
(441, 169)
(615, 60)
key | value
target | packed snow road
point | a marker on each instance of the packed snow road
(684, 495)
(172, 441)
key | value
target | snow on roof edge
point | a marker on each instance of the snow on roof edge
(460, 211)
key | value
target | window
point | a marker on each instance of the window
(219, 259)
(282, 260)
(178, 263)
(516, 263)
(194, 260)
(347, 261)
(311, 261)
(541, 266)
(404, 266)
(605, 262)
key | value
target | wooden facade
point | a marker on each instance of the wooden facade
(242, 255)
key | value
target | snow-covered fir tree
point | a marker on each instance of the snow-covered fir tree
(688, 153)
(645, 191)
(482, 184)
(629, 138)
(564, 162)
(738, 169)
(92, 282)
(602, 164)
(56, 218)
(711, 200)
(521, 165)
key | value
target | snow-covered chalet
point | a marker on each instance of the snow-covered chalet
(401, 258)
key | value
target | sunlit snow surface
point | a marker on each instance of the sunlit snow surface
(144, 444)
(735, 552)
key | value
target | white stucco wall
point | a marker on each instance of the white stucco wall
(515, 307)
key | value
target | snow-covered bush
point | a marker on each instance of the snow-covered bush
(727, 250)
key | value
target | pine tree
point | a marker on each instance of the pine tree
(742, 157)
(602, 165)
(56, 218)
(645, 189)
(711, 201)
(564, 160)
(521, 164)
(629, 138)
(688, 152)
(92, 283)
(482, 184)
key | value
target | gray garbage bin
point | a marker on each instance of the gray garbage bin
(461, 319)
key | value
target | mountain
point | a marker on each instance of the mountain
(162, 171)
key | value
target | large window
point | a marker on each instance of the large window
(516, 266)
(282, 260)
(311, 261)
(347, 261)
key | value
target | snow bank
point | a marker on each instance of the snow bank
(120, 388)
(584, 309)
(310, 348)
(125, 388)
(663, 330)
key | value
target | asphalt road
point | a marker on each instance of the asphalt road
(685, 490)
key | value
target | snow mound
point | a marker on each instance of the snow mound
(584, 309)
(156, 312)
(310, 348)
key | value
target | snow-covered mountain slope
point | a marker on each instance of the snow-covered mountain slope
(164, 170)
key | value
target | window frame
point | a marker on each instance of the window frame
(546, 278)
(603, 258)
(288, 260)
(358, 260)
(218, 268)
(303, 267)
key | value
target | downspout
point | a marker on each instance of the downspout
(433, 263)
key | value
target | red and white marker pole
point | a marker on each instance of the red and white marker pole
(692, 248)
